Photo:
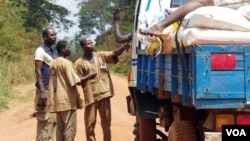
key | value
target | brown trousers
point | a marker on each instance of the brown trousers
(66, 125)
(104, 108)
(46, 121)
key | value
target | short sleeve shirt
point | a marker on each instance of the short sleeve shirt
(62, 85)
(44, 54)
(101, 86)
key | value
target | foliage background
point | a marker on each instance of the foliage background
(21, 23)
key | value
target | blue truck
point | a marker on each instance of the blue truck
(190, 92)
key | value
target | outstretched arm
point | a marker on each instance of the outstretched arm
(121, 49)
(119, 37)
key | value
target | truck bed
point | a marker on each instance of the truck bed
(203, 76)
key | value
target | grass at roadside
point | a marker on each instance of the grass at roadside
(13, 74)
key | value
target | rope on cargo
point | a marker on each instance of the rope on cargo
(181, 52)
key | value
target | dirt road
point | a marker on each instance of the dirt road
(17, 125)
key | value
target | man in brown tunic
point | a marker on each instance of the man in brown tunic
(64, 98)
(99, 90)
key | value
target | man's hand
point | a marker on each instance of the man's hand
(44, 95)
(117, 14)
(42, 102)
(92, 75)
(43, 99)
(126, 46)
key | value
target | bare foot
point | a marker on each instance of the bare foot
(155, 30)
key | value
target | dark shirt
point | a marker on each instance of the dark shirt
(45, 54)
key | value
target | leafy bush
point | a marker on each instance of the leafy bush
(12, 74)
(5, 91)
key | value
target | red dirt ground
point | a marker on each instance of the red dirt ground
(17, 125)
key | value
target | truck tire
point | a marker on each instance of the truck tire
(182, 131)
(147, 129)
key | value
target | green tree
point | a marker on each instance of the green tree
(13, 37)
(41, 13)
(96, 16)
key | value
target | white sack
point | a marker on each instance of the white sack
(201, 36)
(234, 4)
(215, 17)
(245, 11)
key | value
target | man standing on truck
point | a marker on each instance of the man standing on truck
(119, 37)
(98, 90)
